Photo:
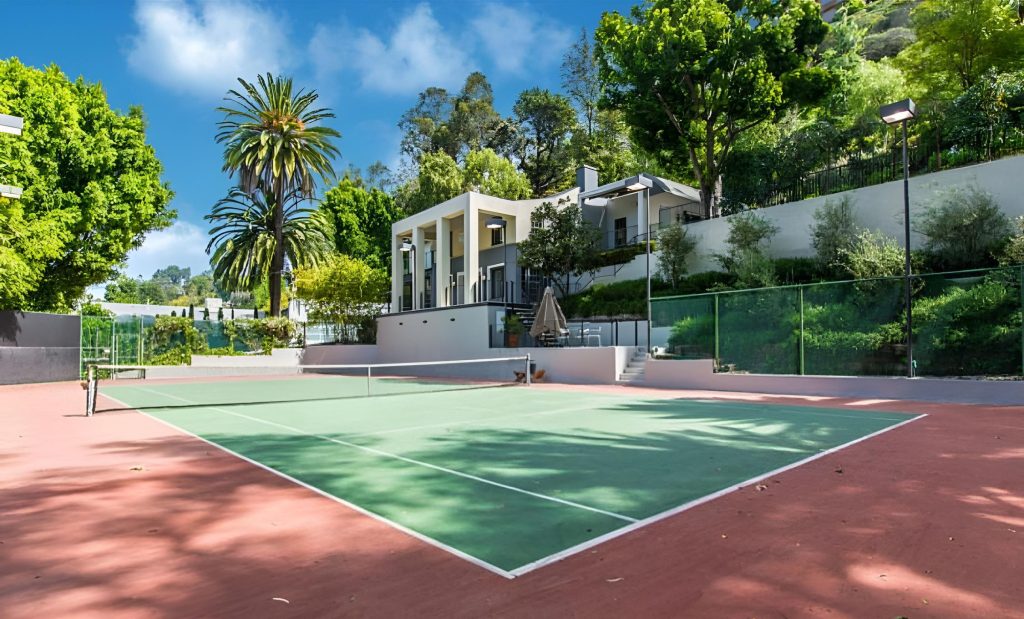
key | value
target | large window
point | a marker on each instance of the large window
(497, 236)
(620, 232)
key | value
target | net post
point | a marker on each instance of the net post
(369, 369)
(529, 377)
(90, 390)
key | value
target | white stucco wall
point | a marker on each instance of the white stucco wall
(879, 207)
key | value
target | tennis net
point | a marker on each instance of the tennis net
(203, 386)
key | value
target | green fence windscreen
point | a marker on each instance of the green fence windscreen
(966, 323)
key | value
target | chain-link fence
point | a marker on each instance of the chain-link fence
(966, 323)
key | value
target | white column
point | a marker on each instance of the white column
(471, 249)
(641, 215)
(442, 261)
(396, 273)
(418, 273)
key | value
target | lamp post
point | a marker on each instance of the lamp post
(407, 246)
(12, 125)
(893, 113)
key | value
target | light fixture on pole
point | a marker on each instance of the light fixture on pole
(900, 112)
(407, 246)
(499, 223)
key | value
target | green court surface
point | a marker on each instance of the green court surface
(510, 478)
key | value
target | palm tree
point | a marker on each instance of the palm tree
(271, 141)
(245, 237)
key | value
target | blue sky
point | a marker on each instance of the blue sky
(368, 59)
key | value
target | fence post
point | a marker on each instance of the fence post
(716, 329)
(1022, 319)
(801, 290)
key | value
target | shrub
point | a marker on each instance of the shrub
(263, 334)
(676, 247)
(798, 270)
(872, 255)
(833, 231)
(1013, 253)
(964, 227)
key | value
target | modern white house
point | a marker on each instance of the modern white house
(464, 250)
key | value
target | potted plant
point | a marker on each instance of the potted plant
(513, 329)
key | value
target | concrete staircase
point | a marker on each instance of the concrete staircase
(634, 371)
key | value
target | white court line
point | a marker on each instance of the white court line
(386, 454)
(555, 557)
(568, 552)
(423, 538)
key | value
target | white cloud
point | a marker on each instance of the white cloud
(515, 39)
(418, 53)
(202, 48)
(182, 244)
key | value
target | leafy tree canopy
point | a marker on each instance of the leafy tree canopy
(361, 219)
(92, 188)
(453, 124)
(562, 244)
(441, 178)
(693, 75)
(545, 122)
(959, 40)
(343, 291)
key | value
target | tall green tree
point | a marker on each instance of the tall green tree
(273, 141)
(958, 41)
(545, 122)
(249, 231)
(561, 245)
(694, 75)
(581, 80)
(344, 292)
(92, 188)
(453, 124)
(441, 178)
(361, 221)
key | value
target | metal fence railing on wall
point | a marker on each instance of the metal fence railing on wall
(863, 170)
(966, 323)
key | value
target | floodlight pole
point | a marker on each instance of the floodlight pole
(906, 255)
(901, 112)
(647, 206)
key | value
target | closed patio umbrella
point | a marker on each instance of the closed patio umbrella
(550, 318)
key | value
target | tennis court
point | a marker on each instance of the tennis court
(511, 478)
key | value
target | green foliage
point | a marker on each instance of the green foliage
(488, 173)
(688, 110)
(124, 289)
(561, 244)
(958, 41)
(92, 188)
(833, 232)
(629, 297)
(620, 255)
(748, 238)
(173, 340)
(871, 255)
(544, 122)
(513, 325)
(263, 334)
(274, 142)
(1013, 253)
(361, 220)
(972, 329)
(676, 245)
(95, 309)
(452, 124)
(346, 293)
(247, 231)
(965, 228)
(440, 178)
(799, 271)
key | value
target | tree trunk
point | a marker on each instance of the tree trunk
(277, 262)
